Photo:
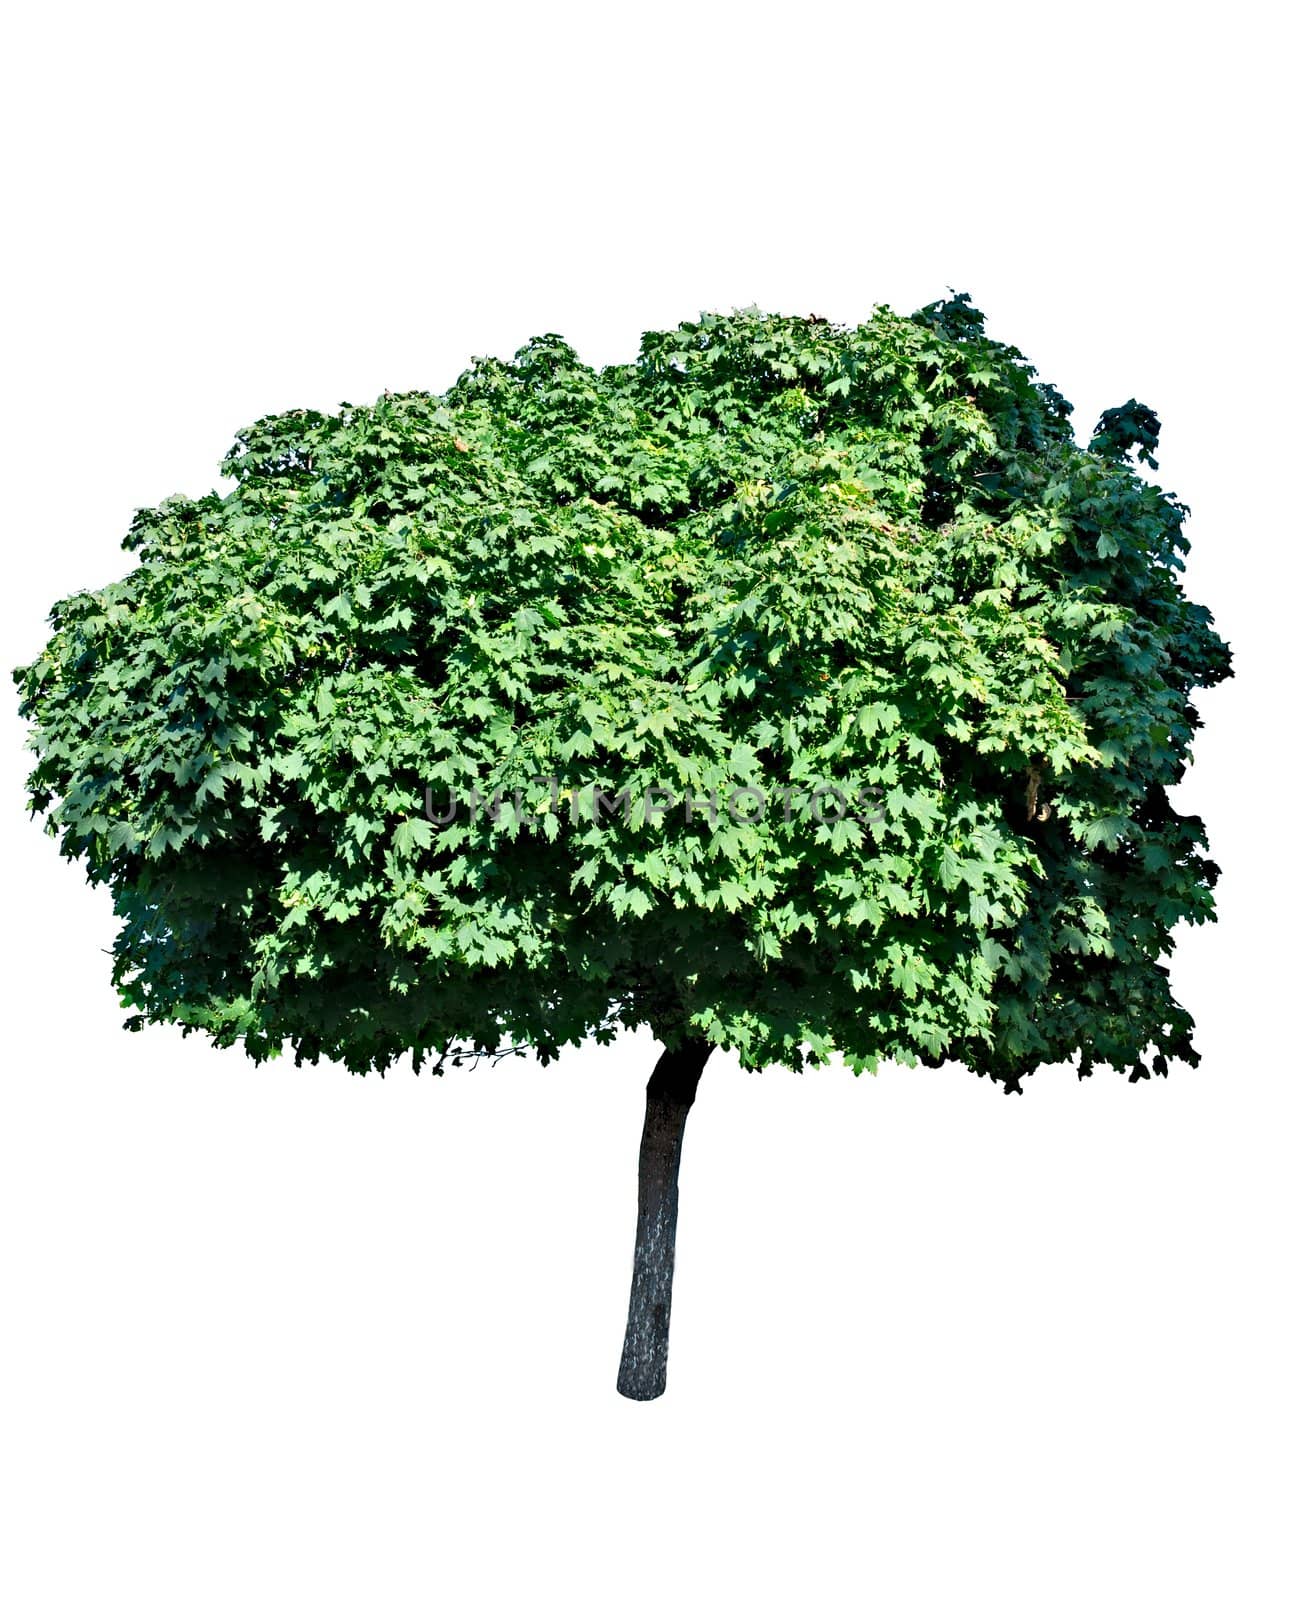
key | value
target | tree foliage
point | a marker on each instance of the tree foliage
(770, 551)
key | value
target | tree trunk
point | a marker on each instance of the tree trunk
(670, 1092)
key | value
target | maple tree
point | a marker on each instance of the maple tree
(366, 748)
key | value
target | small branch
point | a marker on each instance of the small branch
(1036, 812)
(459, 1056)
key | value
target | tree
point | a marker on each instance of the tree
(794, 690)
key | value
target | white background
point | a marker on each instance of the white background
(280, 1333)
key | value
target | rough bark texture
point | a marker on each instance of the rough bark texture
(670, 1092)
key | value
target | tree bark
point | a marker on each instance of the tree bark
(670, 1092)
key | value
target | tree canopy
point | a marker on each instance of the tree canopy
(770, 554)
